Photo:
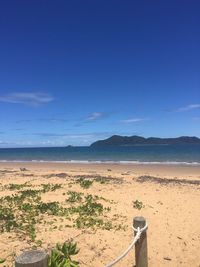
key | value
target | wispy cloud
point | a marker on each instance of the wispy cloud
(53, 120)
(18, 129)
(196, 118)
(95, 116)
(70, 135)
(92, 117)
(2, 143)
(188, 107)
(133, 120)
(43, 120)
(47, 134)
(25, 143)
(30, 99)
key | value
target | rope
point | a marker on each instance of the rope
(138, 231)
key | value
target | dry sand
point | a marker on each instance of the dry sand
(172, 210)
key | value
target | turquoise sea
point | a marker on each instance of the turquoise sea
(146, 154)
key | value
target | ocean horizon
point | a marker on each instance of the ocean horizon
(187, 154)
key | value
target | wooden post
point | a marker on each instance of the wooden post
(141, 256)
(33, 258)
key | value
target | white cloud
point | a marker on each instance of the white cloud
(133, 120)
(70, 136)
(31, 99)
(189, 107)
(92, 117)
(95, 116)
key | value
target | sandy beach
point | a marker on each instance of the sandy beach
(170, 201)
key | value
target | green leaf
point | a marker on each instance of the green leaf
(61, 255)
(2, 260)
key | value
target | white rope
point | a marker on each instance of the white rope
(136, 238)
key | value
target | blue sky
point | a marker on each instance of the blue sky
(72, 72)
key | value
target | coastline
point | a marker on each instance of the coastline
(118, 162)
(168, 170)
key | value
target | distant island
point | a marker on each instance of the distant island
(117, 140)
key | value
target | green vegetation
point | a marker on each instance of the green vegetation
(28, 210)
(101, 180)
(85, 183)
(24, 210)
(90, 207)
(88, 212)
(2, 261)
(74, 196)
(16, 186)
(50, 187)
(117, 140)
(61, 256)
(138, 204)
(51, 208)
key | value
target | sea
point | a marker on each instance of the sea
(188, 154)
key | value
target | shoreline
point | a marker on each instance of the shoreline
(115, 169)
(117, 162)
